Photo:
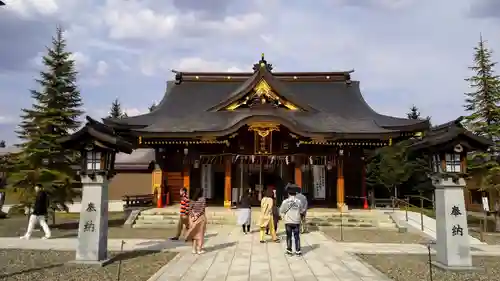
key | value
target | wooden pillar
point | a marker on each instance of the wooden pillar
(363, 183)
(298, 176)
(227, 182)
(185, 177)
(340, 179)
(157, 179)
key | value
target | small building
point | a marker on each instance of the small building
(225, 132)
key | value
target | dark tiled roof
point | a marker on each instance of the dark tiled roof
(331, 107)
(449, 132)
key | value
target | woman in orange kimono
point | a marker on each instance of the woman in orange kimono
(266, 216)
(197, 221)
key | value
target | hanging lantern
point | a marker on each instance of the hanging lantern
(329, 166)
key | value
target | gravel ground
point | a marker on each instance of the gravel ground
(67, 227)
(374, 235)
(416, 268)
(51, 266)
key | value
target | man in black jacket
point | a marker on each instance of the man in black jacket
(40, 211)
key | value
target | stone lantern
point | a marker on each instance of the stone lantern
(98, 145)
(447, 146)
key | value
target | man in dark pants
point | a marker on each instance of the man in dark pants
(291, 210)
(40, 211)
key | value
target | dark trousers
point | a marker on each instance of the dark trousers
(292, 229)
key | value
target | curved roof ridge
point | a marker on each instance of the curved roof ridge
(387, 118)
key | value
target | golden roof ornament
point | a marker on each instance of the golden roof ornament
(262, 64)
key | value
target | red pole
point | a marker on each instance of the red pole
(159, 203)
(363, 186)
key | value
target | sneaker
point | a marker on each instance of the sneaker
(262, 241)
(245, 232)
(201, 252)
(24, 237)
(45, 237)
(298, 253)
(174, 238)
(289, 252)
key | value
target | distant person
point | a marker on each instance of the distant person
(266, 216)
(183, 214)
(197, 221)
(245, 211)
(291, 210)
(40, 211)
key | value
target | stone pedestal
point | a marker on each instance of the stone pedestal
(93, 226)
(452, 235)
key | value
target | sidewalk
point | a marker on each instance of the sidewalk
(234, 256)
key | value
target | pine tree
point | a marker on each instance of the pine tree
(54, 113)
(414, 113)
(116, 110)
(484, 114)
(152, 107)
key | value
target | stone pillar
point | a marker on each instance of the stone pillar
(340, 182)
(227, 182)
(452, 233)
(92, 245)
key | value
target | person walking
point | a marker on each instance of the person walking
(183, 214)
(266, 216)
(303, 201)
(291, 210)
(197, 221)
(40, 211)
(245, 212)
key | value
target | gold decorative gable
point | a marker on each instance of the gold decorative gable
(262, 94)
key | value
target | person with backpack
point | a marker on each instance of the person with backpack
(291, 210)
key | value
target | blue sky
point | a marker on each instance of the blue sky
(404, 52)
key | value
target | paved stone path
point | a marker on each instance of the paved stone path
(233, 256)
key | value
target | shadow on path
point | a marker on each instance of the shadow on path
(309, 248)
(220, 246)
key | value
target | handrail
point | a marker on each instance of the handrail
(421, 197)
(408, 204)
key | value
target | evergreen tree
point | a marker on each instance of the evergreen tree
(393, 166)
(152, 107)
(414, 113)
(54, 113)
(2, 144)
(484, 114)
(116, 110)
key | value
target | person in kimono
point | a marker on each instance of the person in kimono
(266, 216)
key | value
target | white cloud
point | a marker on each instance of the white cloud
(29, 8)
(134, 111)
(102, 68)
(81, 60)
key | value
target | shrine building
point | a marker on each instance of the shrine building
(224, 132)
